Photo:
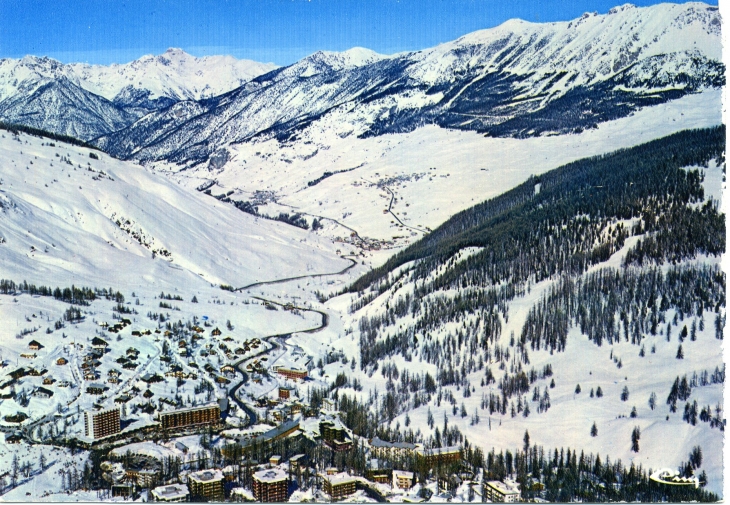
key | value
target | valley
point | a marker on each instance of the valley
(491, 270)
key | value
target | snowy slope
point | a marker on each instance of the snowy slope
(518, 79)
(61, 106)
(69, 218)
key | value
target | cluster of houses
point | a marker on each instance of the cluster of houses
(116, 327)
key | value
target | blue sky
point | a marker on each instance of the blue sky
(279, 31)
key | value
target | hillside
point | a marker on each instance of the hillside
(603, 273)
(62, 208)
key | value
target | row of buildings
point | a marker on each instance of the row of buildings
(105, 423)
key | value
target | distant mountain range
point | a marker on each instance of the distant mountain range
(518, 79)
(89, 100)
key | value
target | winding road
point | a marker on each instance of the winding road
(272, 341)
(288, 279)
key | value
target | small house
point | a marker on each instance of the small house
(34, 345)
(98, 343)
(61, 361)
(96, 389)
(42, 392)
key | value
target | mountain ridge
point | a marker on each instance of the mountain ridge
(518, 79)
(103, 99)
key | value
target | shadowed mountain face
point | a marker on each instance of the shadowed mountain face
(519, 79)
(91, 100)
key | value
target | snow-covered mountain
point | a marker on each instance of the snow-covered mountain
(518, 79)
(90, 100)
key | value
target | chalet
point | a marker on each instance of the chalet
(152, 378)
(240, 351)
(147, 332)
(148, 394)
(181, 447)
(48, 381)
(94, 363)
(158, 331)
(130, 366)
(61, 361)
(126, 321)
(36, 373)
(42, 392)
(228, 369)
(96, 389)
(222, 380)
(7, 384)
(122, 399)
(64, 384)
(34, 345)
(121, 360)
(198, 329)
(14, 438)
(132, 351)
(98, 343)
(18, 417)
(216, 332)
(114, 373)
(136, 333)
(113, 380)
(91, 375)
(228, 339)
(182, 343)
(167, 333)
(29, 356)
(183, 351)
(17, 374)
(178, 374)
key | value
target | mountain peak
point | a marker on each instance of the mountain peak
(621, 8)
